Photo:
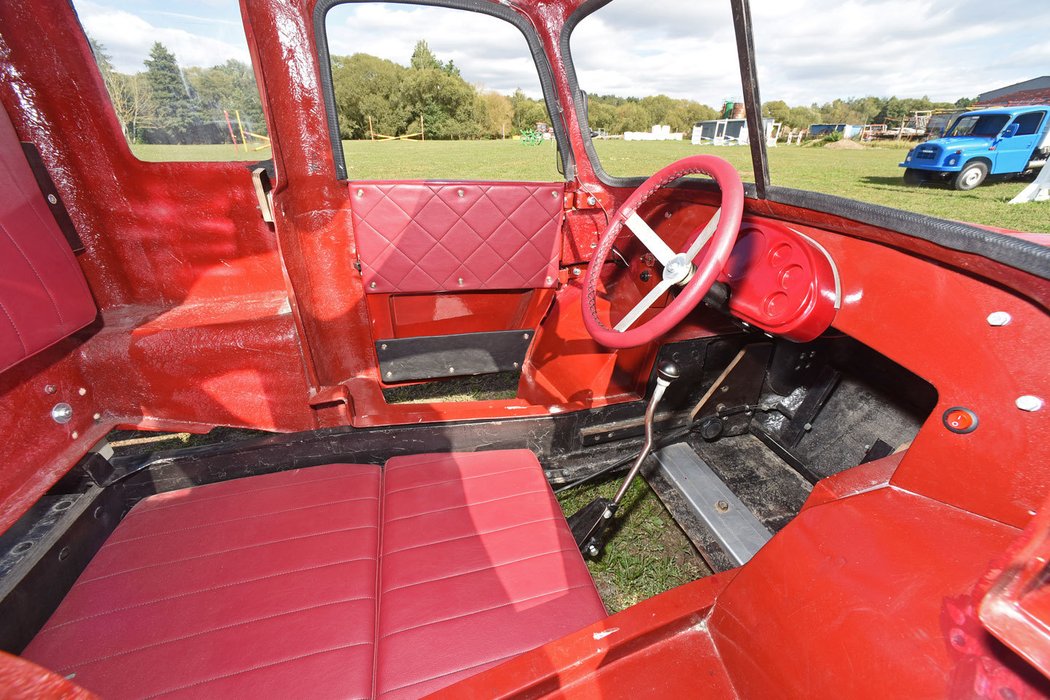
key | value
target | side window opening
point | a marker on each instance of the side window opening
(426, 92)
(1028, 124)
(181, 83)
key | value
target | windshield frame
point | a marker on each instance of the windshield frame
(977, 121)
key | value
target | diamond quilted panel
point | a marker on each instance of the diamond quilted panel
(425, 237)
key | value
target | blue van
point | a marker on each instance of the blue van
(1008, 141)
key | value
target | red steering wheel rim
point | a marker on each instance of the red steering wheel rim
(707, 269)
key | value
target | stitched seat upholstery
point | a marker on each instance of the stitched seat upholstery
(338, 581)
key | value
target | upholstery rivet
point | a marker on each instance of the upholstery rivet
(97, 417)
(594, 244)
(460, 281)
(576, 272)
(515, 365)
(999, 318)
(525, 336)
(62, 413)
(389, 375)
(451, 370)
(372, 285)
(82, 391)
(1029, 403)
(52, 199)
(75, 435)
(50, 388)
(383, 346)
(667, 215)
(549, 280)
(554, 193)
(459, 192)
(360, 194)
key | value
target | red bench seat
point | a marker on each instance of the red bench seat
(345, 580)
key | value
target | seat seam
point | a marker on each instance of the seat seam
(463, 506)
(482, 610)
(256, 668)
(198, 591)
(474, 534)
(378, 581)
(458, 670)
(460, 479)
(182, 504)
(64, 670)
(225, 551)
(492, 565)
(138, 538)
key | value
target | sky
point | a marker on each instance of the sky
(807, 50)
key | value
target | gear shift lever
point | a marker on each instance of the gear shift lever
(590, 522)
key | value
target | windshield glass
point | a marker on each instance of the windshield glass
(985, 125)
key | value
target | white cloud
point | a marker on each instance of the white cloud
(128, 37)
(812, 50)
(808, 50)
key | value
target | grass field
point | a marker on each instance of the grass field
(870, 174)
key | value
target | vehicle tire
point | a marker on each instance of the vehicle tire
(914, 177)
(972, 175)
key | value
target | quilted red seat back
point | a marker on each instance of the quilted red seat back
(43, 294)
(437, 237)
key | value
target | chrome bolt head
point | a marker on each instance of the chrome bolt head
(62, 413)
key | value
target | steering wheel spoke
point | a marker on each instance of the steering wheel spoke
(704, 236)
(641, 307)
(649, 238)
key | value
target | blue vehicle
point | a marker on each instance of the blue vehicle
(1008, 141)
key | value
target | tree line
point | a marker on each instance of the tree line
(165, 103)
(858, 110)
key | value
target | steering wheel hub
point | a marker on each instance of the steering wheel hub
(678, 269)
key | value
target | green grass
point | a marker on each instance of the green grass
(160, 153)
(870, 174)
(646, 555)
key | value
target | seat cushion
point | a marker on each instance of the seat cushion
(227, 589)
(478, 565)
(337, 581)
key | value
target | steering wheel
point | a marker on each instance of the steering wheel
(679, 269)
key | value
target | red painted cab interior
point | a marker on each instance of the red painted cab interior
(841, 406)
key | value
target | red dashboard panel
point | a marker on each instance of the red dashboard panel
(433, 237)
(782, 282)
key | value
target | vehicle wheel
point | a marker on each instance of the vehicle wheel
(971, 176)
(915, 177)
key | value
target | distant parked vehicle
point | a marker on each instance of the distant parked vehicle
(1009, 141)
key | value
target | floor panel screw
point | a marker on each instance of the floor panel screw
(998, 318)
(1029, 403)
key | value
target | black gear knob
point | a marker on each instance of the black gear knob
(668, 371)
